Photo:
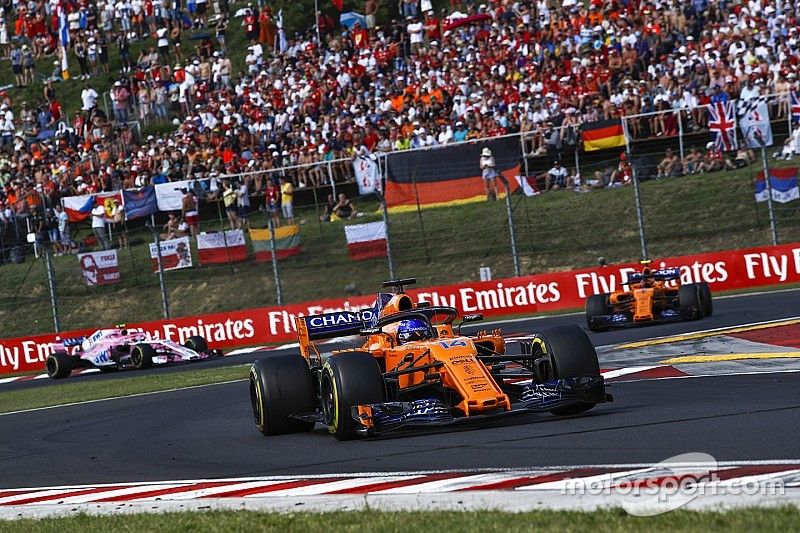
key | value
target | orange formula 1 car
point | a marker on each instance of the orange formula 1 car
(414, 368)
(652, 296)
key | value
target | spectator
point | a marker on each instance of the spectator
(714, 160)
(189, 212)
(63, 229)
(99, 226)
(344, 208)
(669, 166)
(692, 162)
(243, 202)
(791, 146)
(556, 177)
(229, 199)
(287, 197)
(488, 173)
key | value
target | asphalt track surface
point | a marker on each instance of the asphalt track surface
(208, 432)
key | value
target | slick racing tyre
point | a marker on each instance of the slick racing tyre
(142, 356)
(58, 365)
(571, 354)
(280, 386)
(705, 298)
(349, 379)
(196, 343)
(689, 302)
(596, 305)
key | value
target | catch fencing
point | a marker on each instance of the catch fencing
(498, 238)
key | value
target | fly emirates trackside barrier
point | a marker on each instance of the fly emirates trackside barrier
(728, 270)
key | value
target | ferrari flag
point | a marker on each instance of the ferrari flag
(221, 247)
(602, 134)
(782, 181)
(287, 242)
(365, 241)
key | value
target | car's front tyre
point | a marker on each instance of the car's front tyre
(349, 379)
(142, 356)
(281, 386)
(58, 365)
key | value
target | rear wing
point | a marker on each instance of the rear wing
(664, 274)
(331, 325)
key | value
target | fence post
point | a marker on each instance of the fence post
(511, 230)
(275, 273)
(680, 132)
(639, 214)
(51, 285)
(385, 211)
(330, 179)
(164, 295)
(524, 153)
(772, 226)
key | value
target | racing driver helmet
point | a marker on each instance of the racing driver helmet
(412, 330)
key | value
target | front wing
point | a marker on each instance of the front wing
(622, 320)
(381, 418)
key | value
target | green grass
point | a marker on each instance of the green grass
(80, 390)
(781, 519)
(555, 231)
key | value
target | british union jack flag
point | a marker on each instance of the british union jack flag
(722, 122)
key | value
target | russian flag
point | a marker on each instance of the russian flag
(783, 182)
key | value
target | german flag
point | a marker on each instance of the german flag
(603, 134)
(287, 242)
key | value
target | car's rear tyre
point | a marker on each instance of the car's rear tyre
(571, 355)
(196, 343)
(281, 386)
(349, 379)
(58, 365)
(705, 298)
(142, 356)
(689, 302)
(596, 305)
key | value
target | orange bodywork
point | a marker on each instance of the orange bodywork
(640, 298)
(450, 358)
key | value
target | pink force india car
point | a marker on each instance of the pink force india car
(116, 348)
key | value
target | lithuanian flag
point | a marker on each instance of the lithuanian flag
(603, 134)
(287, 242)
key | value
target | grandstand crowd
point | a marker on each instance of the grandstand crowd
(426, 75)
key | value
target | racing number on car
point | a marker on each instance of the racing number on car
(449, 344)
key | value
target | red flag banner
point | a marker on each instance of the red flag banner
(221, 247)
(365, 241)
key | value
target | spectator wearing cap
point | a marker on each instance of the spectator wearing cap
(488, 173)
(714, 160)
